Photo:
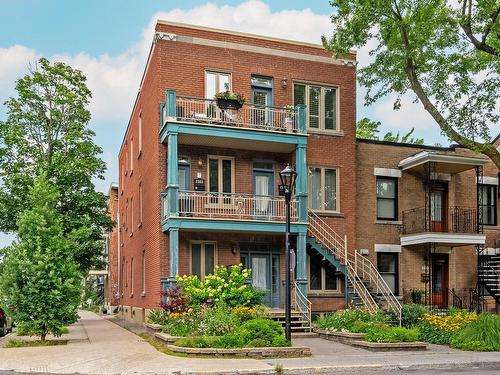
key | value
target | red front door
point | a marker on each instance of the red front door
(439, 208)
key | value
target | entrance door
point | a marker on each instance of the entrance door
(265, 274)
(261, 99)
(439, 208)
(440, 280)
(263, 182)
(184, 179)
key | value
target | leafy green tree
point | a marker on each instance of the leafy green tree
(47, 130)
(446, 54)
(368, 129)
(40, 282)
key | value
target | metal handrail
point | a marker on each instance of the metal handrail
(301, 303)
(253, 116)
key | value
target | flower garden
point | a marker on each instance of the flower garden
(221, 311)
(460, 329)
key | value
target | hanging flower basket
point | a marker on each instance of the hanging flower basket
(229, 100)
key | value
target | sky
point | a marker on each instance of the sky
(109, 41)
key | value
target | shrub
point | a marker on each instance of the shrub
(416, 296)
(157, 316)
(440, 329)
(481, 335)
(225, 286)
(216, 321)
(198, 342)
(345, 319)
(174, 300)
(363, 327)
(231, 340)
(411, 313)
(244, 313)
(266, 330)
(181, 324)
(391, 334)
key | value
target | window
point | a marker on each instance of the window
(131, 215)
(488, 204)
(202, 258)
(123, 176)
(140, 204)
(143, 273)
(387, 198)
(387, 266)
(131, 277)
(323, 189)
(220, 174)
(321, 105)
(322, 274)
(131, 156)
(216, 82)
(140, 134)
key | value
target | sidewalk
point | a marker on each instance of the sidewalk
(110, 349)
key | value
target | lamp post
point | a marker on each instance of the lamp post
(288, 176)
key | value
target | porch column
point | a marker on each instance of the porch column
(173, 246)
(301, 263)
(301, 183)
(172, 166)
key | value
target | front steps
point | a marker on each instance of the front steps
(297, 322)
(489, 275)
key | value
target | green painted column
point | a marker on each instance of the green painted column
(300, 111)
(301, 263)
(173, 245)
(301, 182)
(172, 171)
(170, 102)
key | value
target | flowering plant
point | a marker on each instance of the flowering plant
(289, 109)
(230, 95)
(440, 329)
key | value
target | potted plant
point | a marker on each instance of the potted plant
(229, 100)
(288, 120)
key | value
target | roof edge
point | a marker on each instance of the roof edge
(408, 145)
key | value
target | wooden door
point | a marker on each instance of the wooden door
(440, 280)
(439, 208)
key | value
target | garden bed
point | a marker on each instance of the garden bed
(295, 351)
(389, 346)
(342, 337)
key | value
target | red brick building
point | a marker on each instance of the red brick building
(199, 182)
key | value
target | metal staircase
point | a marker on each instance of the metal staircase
(365, 285)
(489, 275)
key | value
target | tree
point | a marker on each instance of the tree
(40, 282)
(447, 55)
(47, 130)
(368, 129)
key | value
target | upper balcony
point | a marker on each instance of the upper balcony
(251, 127)
(447, 226)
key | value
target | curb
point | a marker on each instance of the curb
(343, 368)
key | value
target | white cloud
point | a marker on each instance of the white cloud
(14, 61)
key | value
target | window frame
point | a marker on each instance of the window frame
(131, 277)
(396, 269)
(202, 256)
(141, 203)
(217, 73)
(143, 293)
(395, 199)
(321, 119)
(323, 289)
(220, 181)
(322, 188)
(139, 130)
(494, 204)
(131, 156)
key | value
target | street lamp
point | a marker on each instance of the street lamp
(288, 176)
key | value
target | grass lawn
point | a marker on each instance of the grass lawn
(14, 343)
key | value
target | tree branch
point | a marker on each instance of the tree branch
(466, 25)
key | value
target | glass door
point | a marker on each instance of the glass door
(184, 180)
(263, 190)
(261, 116)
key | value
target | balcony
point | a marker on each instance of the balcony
(199, 121)
(454, 226)
(227, 211)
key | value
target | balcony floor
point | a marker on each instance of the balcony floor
(443, 238)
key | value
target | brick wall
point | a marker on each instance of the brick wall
(112, 238)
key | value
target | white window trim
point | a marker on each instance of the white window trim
(131, 277)
(202, 256)
(217, 72)
(141, 202)
(323, 86)
(387, 248)
(143, 265)
(131, 156)
(322, 183)
(323, 289)
(387, 172)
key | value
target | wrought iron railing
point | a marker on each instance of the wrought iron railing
(206, 111)
(302, 304)
(201, 204)
(451, 220)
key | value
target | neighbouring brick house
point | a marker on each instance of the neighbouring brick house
(199, 184)
(112, 251)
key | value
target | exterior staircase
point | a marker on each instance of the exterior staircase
(365, 286)
(298, 324)
(489, 275)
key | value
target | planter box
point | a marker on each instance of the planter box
(294, 351)
(390, 346)
(228, 104)
(343, 337)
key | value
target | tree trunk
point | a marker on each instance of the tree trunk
(43, 336)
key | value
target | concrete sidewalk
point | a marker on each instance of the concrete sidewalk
(110, 349)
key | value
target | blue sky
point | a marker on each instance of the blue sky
(108, 40)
